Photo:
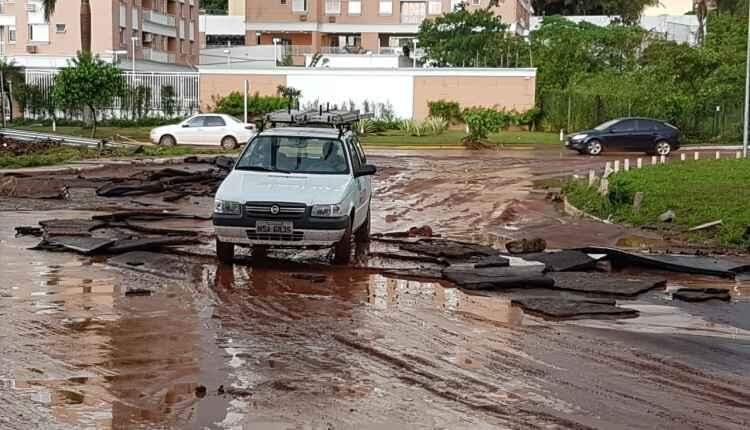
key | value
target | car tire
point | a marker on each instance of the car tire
(342, 250)
(167, 140)
(662, 147)
(594, 147)
(224, 252)
(363, 232)
(229, 143)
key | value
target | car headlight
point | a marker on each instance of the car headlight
(227, 208)
(327, 211)
(580, 136)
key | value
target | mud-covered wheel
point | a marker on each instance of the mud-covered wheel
(342, 250)
(229, 143)
(225, 252)
(363, 232)
(167, 140)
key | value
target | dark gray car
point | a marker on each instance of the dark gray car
(627, 134)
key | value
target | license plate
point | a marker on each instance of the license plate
(274, 227)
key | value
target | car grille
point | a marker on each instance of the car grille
(297, 236)
(286, 210)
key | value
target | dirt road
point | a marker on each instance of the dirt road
(267, 346)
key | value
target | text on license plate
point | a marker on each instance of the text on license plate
(274, 227)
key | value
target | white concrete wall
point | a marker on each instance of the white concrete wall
(355, 61)
(396, 91)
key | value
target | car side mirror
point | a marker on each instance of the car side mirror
(367, 170)
(185, 125)
(613, 130)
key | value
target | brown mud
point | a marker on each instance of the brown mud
(291, 342)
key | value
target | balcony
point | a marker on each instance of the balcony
(151, 54)
(412, 18)
(159, 18)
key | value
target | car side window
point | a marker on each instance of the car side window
(196, 122)
(647, 125)
(214, 121)
(625, 126)
(358, 148)
(356, 160)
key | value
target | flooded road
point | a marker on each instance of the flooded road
(285, 344)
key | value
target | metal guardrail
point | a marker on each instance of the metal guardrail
(62, 139)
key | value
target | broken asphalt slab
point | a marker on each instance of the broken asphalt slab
(702, 294)
(448, 249)
(605, 283)
(558, 308)
(497, 278)
(148, 243)
(562, 261)
(698, 265)
(85, 245)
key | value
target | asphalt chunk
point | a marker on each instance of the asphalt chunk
(81, 244)
(564, 309)
(605, 283)
(498, 278)
(702, 294)
(448, 249)
(148, 244)
(562, 261)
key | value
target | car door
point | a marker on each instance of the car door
(214, 128)
(189, 132)
(365, 182)
(360, 184)
(621, 134)
(645, 138)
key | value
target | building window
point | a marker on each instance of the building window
(60, 28)
(283, 1)
(12, 34)
(39, 32)
(299, 5)
(475, 2)
(436, 7)
(123, 42)
(333, 7)
(386, 7)
(355, 7)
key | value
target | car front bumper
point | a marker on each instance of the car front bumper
(575, 144)
(307, 231)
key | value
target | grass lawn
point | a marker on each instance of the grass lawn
(453, 138)
(140, 134)
(698, 192)
(66, 154)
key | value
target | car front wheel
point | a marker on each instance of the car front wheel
(594, 147)
(342, 250)
(167, 141)
(663, 148)
(224, 252)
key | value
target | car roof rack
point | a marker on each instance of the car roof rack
(323, 118)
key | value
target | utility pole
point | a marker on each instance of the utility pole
(747, 90)
(2, 94)
(245, 101)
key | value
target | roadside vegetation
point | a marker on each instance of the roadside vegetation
(697, 192)
(67, 154)
(454, 138)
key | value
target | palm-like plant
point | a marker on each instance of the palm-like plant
(10, 72)
(49, 10)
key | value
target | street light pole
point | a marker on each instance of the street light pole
(132, 52)
(747, 89)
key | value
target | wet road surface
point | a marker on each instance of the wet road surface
(260, 346)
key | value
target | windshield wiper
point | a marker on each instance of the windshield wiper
(262, 169)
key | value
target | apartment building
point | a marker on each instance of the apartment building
(332, 26)
(160, 33)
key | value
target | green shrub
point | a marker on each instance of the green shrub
(483, 121)
(257, 105)
(450, 111)
(428, 127)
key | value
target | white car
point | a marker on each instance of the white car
(205, 129)
(296, 187)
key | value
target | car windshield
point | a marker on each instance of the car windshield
(606, 125)
(295, 154)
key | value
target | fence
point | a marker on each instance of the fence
(145, 94)
(571, 110)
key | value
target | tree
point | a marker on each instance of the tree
(629, 10)
(85, 17)
(214, 7)
(463, 38)
(12, 75)
(87, 82)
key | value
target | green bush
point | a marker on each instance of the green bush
(257, 105)
(428, 127)
(449, 110)
(483, 121)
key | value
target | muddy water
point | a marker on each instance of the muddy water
(268, 346)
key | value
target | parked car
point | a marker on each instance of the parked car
(627, 134)
(306, 185)
(205, 129)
